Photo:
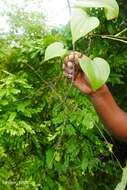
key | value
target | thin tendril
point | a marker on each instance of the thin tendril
(107, 143)
(65, 97)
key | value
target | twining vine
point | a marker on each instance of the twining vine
(66, 94)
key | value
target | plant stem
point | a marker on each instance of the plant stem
(118, 34)
(69, 7)
(113, 38)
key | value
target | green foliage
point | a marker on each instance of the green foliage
(111, 7)
(54, 50)
(82, 24)
(122, 185)
(48, 129)
(97, 71)
(22, 22)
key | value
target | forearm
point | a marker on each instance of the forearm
(112, 116)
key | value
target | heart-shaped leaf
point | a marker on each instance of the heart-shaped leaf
(82, 24)
(111, 6)
(97, 71)
(54, 50)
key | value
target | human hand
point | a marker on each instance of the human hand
(73, 72)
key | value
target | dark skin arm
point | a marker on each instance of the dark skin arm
(114, 118)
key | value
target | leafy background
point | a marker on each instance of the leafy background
(49, 137)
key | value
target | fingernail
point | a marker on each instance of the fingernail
(71, 57)
(70, 64)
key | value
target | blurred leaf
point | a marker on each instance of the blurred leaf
(122, 185)
(82, 24)
(84, 164)
(49, 158)
(54, 50)
(111, 7)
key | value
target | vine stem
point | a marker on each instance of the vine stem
(70, 13)
(107, 143)
(65, 98)
(118, 34)
(69, 7)
(111, 38)
(117, 39)
(66, 116)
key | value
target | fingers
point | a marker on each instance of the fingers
(68, 70)
(69, 76)
(73, 71)
(70, 65)
(83, 87)
(74, 56)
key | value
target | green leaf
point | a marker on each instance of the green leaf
(54, 50)
(49, 158)
(97, 71)
(57, 156)
(111, 6)
(82, 24)
(122, 185)
(84, 164)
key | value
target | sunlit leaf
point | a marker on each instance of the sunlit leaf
(111, 7)
(122, 185)
(97, 71)
(55, 50)
(84, 164)
(82, 24)
(49, 158)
